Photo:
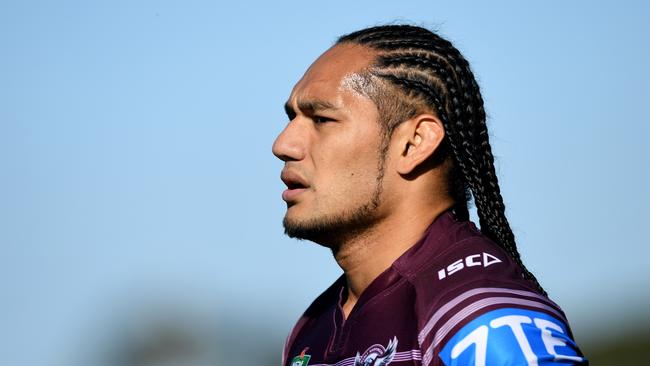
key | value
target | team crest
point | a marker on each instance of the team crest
(377, 355)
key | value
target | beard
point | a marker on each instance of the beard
(330, 231)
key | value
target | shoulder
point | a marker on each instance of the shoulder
(468, 266)
(473, 304)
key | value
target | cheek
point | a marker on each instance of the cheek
(349, 170)
(347, 155)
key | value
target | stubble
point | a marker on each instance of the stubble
(332, 230)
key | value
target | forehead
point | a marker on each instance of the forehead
(327, 76)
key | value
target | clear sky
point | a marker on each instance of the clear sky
(136, 165)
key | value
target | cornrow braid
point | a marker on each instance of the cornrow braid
(431, 74)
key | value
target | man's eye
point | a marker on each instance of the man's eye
(321, 119)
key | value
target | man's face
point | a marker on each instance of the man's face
(333, 167)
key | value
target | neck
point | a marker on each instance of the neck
(365, 256)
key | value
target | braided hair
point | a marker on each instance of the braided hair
(417, 71)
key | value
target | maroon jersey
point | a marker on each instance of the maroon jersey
(454, 298)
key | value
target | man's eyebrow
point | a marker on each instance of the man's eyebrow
(310, 106)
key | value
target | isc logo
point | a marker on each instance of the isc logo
(484, 259)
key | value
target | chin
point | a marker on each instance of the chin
(331, 231)
(303, 229)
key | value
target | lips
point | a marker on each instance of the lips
(295, 184)
(293, 180)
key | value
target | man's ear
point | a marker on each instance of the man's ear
(419, 137)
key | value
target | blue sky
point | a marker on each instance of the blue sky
(135, 155)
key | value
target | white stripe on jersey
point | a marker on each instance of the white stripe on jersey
(414, 355)
(464, 296)
(474, 307)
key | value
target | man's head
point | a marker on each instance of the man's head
(333, 168)
(344, 173)
(401, 86)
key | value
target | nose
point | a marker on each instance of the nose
(290, 145)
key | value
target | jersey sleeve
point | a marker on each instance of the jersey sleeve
(474, 309)
(511, 336)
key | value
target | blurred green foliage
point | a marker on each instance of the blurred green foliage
(631, 349)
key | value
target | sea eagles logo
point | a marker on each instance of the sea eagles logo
(377, 355)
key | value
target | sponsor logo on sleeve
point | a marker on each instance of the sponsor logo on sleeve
(511, 337)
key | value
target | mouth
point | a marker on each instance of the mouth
(295, 185)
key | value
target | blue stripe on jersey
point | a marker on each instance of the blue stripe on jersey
(511, 336)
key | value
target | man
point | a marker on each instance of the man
(386, 140)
